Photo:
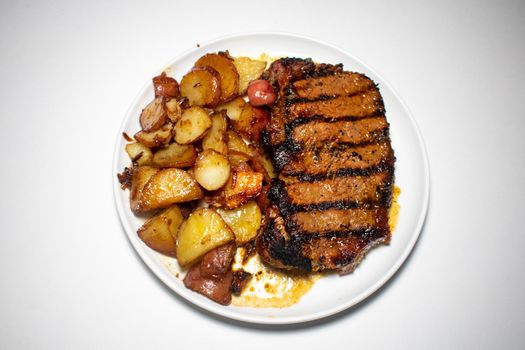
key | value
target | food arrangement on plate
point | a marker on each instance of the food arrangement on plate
(251, 167)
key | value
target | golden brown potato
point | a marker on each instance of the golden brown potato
(223, 64)
(203, 231)
(140, 176)
(173, 110)
(251, 122)
(160, 232)
(202, 87)
(233, 108)
(212, 169)
(192, 125)
(244, 221)
(169, 186)
(139, 154)
(237, 144)
(238, 150)
(248, 70)
(215, 138)
(156, 138)
(175, 156)
(241, 187)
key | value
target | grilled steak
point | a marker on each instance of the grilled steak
(328, 139)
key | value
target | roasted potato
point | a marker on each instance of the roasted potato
(241, 187)
(248, 70)
(244, 221)
(223, 64)
(140, 176)
(192, 125)
(203, 231)
(165, 86)
(156, 138)
(233, 108)
(212, 170)
(153, 116)
(169, 186)
(173, 110)
(202, 87)
(238, 150)
(261, 93)
(251, 122)
(216, 137)
(175, 156)
(160, 232)
(139, 154)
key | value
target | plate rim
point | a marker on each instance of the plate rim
(225, 311)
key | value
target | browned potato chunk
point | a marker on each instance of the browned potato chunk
(169, 186)
(192, 125)
(215, 138)
(201, 86)
(160, 232)
(173, 110)
(238, 150)
(175, 156)
(212, 170)
(165, 86)
(153, 116)
(249, 70)
(251, 122)
(156, 138)
(140, 176)
(241, 187)
(223, 64)
(244, 221)
(233, 108)
(139, 154)
(203, 231)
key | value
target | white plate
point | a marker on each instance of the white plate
(331, 294)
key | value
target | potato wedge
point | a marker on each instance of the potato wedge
(238, 150)
(139, 154)
(251, 122)
(233, 108)
(160, 232)
(169, 186)
(175, 156)
(223, 64)
(192, 125)
(248, 69)
(241, 187)
(212, 170)
(140, 176)
(202, 87)
(203, 231)
(173, 110)
(165, 86)
(156, 138)
(244, 221)
(216, 137)
(153, 116)
(236, 143)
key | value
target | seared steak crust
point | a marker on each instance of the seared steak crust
(329, 141)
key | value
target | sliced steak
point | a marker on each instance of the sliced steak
(329, 141)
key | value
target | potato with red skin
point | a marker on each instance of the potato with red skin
(153, 116)
(261, 93)
(165, 86)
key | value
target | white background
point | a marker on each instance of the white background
(68, 73)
